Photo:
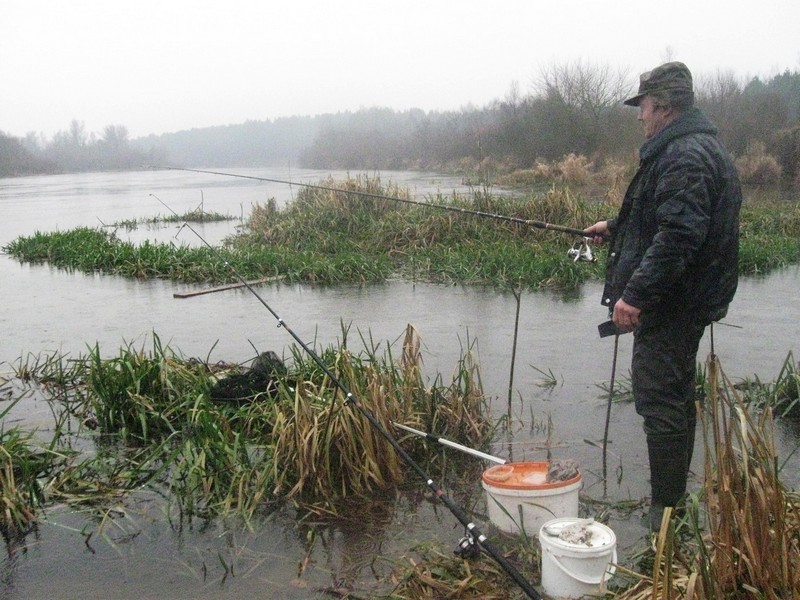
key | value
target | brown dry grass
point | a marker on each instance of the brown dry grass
(756, 167)
(325, 449)
(750, 547)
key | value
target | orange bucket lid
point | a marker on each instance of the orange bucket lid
(524, 476)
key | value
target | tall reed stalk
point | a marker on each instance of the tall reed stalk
(752, 515)
(745, 525)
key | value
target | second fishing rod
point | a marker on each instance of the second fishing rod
(473, 533)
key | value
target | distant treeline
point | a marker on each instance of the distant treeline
(73, 150)
(572, 109)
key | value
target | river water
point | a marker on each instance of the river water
(46, 310)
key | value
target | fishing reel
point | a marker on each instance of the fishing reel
(467, 547)
(582, 251)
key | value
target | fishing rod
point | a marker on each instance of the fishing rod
(432, 438)
(474, 536)
(579, 251)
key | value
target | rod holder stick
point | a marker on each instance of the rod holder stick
(451, 444)
(518, 298)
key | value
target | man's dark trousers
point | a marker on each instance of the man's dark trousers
(663, 372)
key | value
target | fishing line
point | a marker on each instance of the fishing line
(473, 533)
(477, 213)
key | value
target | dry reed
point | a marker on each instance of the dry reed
(756, 167)
(751, 545)
(325, 449)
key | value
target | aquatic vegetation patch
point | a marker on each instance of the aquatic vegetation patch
(359, 230)
(196, 215)
(426, 243)
(781, 396)
(301, 441)
(434, 573)
(353, 231)
(154, 424)
(325, 448)
(769, 235)
(97, 251)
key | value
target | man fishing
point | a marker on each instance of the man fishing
(672, 267)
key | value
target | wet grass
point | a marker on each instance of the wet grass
(146, 420)
(781, 396)
(335, 237)
(22, 465)
(429, 244)
(152, 421)
(769, 234)
(97, 251)
(197, 215)
(356, 235)
(432, 572)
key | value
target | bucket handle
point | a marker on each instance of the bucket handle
(564, 568)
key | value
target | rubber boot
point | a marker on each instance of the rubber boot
(668, 472)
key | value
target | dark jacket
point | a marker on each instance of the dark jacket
(675, 242)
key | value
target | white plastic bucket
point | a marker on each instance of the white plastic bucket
(576, 569)
(519, 497)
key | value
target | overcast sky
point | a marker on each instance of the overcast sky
(165, 65)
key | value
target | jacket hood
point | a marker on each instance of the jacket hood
(692, 121)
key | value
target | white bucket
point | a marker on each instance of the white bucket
(519, 497)
(573, 569)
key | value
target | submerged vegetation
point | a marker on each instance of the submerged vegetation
(196, 215)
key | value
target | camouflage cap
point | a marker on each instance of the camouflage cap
(672, 78)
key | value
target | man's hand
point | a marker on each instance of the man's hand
(626, 317)
(598, 232)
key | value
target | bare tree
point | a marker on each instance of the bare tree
(580, 108)
(77, 133)
(589, 88)
(720, 97)
(115, 136)
(720, 90)
(513, 98)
